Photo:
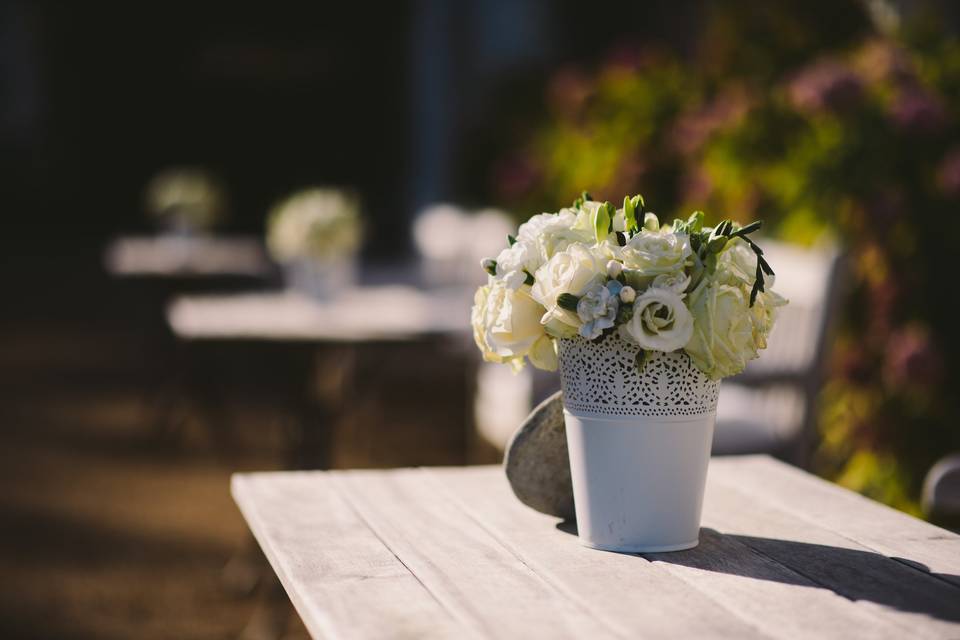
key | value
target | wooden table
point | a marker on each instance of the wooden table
(450, 553)
(202, 256)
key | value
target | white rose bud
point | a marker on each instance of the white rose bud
(627, 294)
(614, 268)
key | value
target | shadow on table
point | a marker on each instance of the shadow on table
(900, 583)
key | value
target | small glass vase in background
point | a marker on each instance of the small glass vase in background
(320, 279)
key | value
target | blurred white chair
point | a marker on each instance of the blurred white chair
(451, 242)
(770, 407)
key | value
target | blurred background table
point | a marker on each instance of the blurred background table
(350, 364)
(186, 257)
(145, 271)
(366, 313)
(450, 553)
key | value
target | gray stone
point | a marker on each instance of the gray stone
(536, 461)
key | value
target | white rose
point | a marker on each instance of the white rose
(597, 310)
(678, 281)
(653, 253)
(660, 322)
(543, 354)
(763, 314)
(515, 262)
(550, 233)
(727, 332)
(737, 265)
(571, 271)
(506, 327)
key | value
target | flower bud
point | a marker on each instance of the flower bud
(651, 222)
(627, 294)
(614, 268)
(489, 265)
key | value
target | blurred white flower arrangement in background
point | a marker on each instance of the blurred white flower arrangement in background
(315, 224)
(315, 235)
(186, 199)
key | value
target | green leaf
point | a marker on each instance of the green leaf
(511, 240)
(583, 197)
(710, 262)
(695, 222)
(638, 202)
(753, 245)
(718, 238)
(764, 266)
(630, 214)
(568, 301)
(750, 228)
(696, 272)
(602, 220)
(716, 245)
(651, 222)
(757, 284)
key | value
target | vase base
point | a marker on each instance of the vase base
(640, 548)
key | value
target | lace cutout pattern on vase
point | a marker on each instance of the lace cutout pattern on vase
(602, 378)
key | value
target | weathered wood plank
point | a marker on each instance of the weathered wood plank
(342, 580)
(469, 571)
(826, 505)
(780, 601)
(892, 594)
(634, 597)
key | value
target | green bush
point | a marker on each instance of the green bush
(850, 137)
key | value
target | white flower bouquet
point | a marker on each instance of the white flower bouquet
(590, 270)
(186, 199)
(643, 321)
(315, 234)
(317, 224)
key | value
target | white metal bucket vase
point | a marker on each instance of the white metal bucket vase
(639, 444)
